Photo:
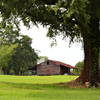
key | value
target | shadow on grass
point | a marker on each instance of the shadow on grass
(34, 86)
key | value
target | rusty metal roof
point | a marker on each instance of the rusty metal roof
(61, 63)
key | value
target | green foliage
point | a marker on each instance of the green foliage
(24, 57)
(58, 13)
(6, 53)
(80, 64)
(61, 15)
(32, 9)
(79, 67)
(97, 8)
(8, 34)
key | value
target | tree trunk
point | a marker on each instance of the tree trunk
(91, 69)
(99, 62)
(85, 75)
(94, 69)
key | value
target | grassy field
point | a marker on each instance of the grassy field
(42, 88)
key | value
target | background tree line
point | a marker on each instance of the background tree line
(16, 53)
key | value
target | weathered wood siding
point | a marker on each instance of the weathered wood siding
(48, 69)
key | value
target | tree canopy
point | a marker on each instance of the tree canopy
(64, 16)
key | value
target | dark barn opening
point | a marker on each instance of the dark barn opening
(64, 70)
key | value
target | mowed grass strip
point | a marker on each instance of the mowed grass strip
(36, 79)
(42, 88)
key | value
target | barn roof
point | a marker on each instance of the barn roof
(61, 63)
(55, 62)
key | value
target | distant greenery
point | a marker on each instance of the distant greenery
(80, 66)
(43, 88)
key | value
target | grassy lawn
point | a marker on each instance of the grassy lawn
(42, 88)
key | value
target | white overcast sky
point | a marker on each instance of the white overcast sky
(62, 52)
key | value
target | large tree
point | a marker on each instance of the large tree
(24, 57)
(70, 18)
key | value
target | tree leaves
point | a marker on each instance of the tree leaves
(6, 53)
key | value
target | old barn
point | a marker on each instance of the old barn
(52, 67)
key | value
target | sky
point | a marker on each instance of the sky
(62, 52)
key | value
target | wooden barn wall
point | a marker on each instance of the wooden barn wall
(48, 69)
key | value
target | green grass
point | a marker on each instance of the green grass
(42, 88)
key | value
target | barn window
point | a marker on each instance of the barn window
(48, 62)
